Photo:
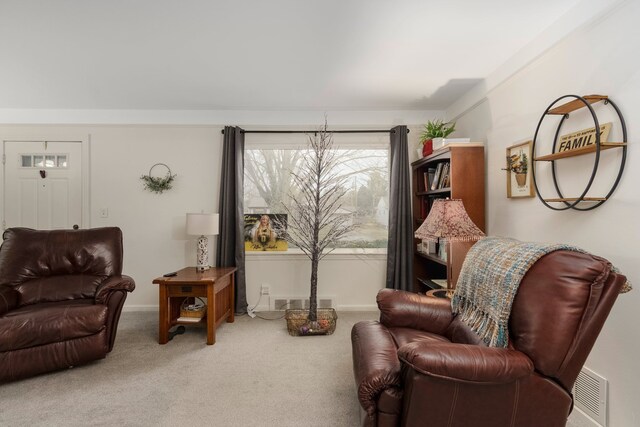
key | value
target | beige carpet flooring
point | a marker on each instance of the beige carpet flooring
(255, 375)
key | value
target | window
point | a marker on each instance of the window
(43, 161)
(268, 183)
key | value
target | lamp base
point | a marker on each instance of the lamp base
(203, 254)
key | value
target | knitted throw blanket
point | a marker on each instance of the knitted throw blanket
(488, 283)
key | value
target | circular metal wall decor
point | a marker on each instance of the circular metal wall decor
(582, 202)
(158, 184)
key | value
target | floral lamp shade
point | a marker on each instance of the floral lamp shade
(448, 220)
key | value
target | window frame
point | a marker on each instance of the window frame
(353, 141)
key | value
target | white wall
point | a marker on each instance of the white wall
(599, 57)
(352, 280)
(153, 225)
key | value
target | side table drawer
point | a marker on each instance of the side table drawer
(187, 291)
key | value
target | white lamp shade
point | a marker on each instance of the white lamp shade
(202, 224)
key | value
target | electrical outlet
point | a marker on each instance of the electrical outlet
(264, 290)
(104, 213)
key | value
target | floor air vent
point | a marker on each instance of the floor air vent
(590, 395)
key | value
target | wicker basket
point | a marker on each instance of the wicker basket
(194, 310)
(299, 325)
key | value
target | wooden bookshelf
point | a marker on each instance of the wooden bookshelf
(466, 182)
(432, 257)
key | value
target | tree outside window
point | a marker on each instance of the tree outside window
(268, 183)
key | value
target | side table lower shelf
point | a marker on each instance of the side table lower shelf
(181, 329)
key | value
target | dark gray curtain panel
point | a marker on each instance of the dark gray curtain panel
(400, 246)
(230, 251)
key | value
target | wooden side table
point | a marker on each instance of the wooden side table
(215, 284)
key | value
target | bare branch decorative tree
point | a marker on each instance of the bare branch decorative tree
(315, 223)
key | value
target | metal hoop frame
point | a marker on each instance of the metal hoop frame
(161, 164)
(574, 205)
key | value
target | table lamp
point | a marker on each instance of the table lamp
(448, 220)
(203, 225)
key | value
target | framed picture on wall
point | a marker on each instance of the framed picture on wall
(519, 174)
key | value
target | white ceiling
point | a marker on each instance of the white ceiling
(258, 54)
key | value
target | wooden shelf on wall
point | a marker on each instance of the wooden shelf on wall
(580, 151)
(576, 104)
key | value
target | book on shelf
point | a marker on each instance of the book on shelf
(442, 250)
(428, 178)
(424, 208)
(436, 176)
(444, 175)
(427, 247)
(447, 182)
(431, 247)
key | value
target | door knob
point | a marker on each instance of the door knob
(75, 226)
(43, 174)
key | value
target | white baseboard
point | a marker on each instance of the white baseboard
(134, 307)
(364, 307)
(259, 308)
(580, 419)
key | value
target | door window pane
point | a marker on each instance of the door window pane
(44, 160)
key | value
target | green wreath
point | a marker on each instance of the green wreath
(158, 184)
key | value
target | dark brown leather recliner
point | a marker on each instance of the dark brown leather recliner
(61, 294)
(421, 366)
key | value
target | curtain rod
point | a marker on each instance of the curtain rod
(316, 131)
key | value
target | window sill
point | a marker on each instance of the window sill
(338, 254)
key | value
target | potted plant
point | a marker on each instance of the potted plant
(314, 225)
(435, 130)
(517, 164)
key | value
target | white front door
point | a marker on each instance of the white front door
(42, 184)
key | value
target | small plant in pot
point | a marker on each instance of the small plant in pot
(518, 164)
(315, 226)
(433, 130)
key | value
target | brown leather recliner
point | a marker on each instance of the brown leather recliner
(421, 366)
(61, 294)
